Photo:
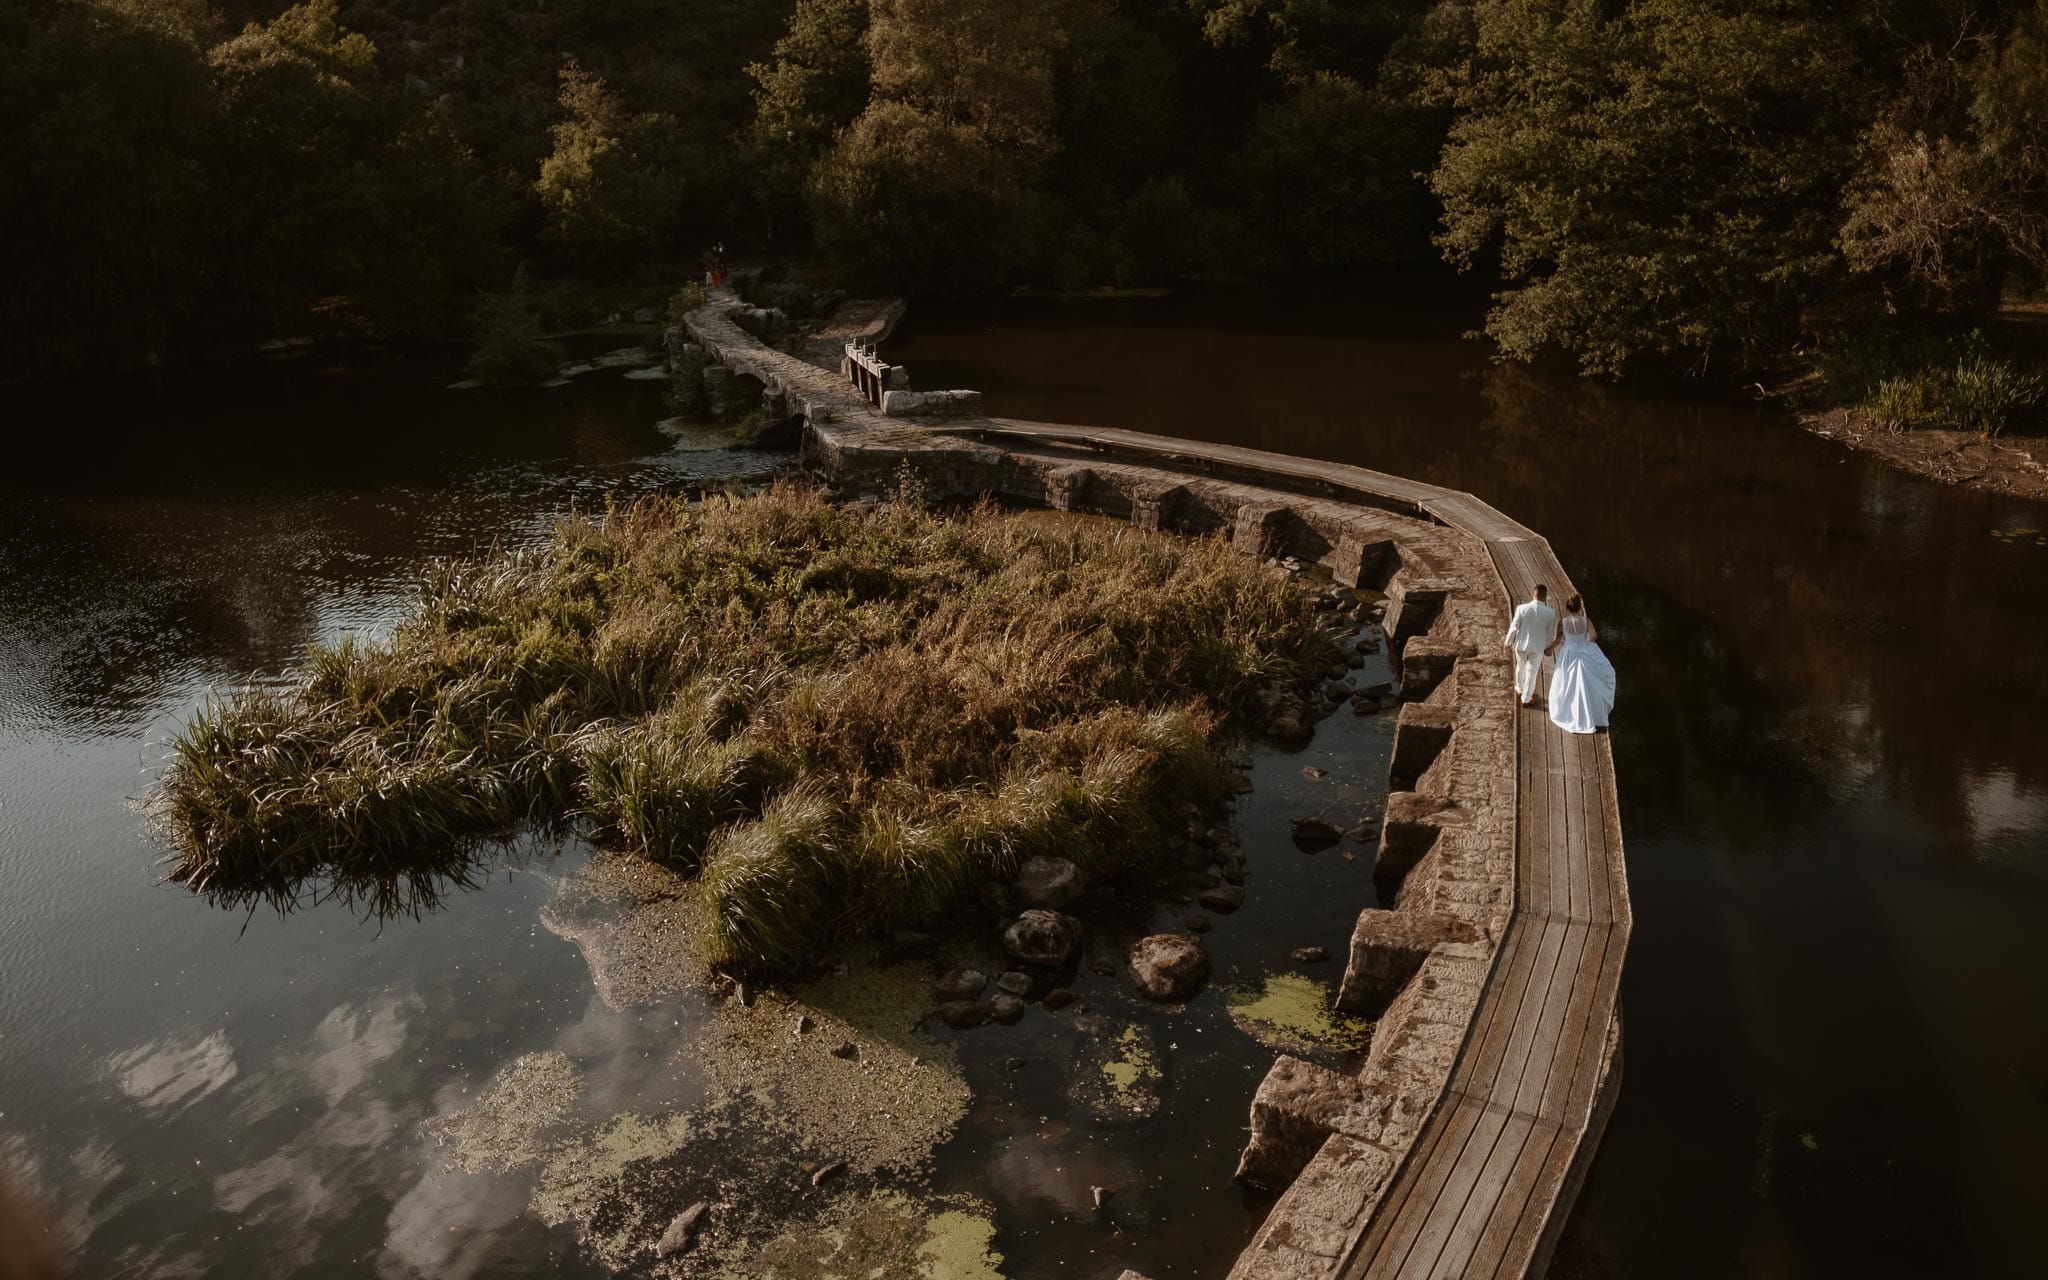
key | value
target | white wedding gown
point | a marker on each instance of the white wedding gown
(1582, 683)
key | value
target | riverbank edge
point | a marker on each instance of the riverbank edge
(2015, 467)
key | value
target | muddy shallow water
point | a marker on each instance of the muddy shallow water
(520, 1082)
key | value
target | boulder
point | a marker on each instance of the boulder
(1047, 883)
(1014, 983)
(1224, 897)
(682, 1231)
(1045, 938)
(1058, 997)
(961, 1014)
(1169, 966)
(1005, 1008)
(960, 984)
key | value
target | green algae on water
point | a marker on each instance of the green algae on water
(884, 1234)
(1117, 1076)
(1290, 1011)
(505, 1128)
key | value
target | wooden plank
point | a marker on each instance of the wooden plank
(1466, 1184)
(1505, 1230)
(1529, 1010)
(1503, 1193)
(1580, 894)
(1542, 1024)
(1560, 850)
(1388, 1250)
(1461, 1223)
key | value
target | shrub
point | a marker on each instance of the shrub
(509, 346)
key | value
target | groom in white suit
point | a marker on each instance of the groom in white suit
(1530, 632)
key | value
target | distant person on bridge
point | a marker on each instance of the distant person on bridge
(1530, 635)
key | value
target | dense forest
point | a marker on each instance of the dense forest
(1694, 184)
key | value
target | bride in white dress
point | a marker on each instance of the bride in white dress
(1582, 682)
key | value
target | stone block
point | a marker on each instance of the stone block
(1421, 732)
(1387, 948)
(1413, 605)
(1427, 662)
(931, 404)
(1297, 1105)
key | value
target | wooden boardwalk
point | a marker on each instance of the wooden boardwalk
(1485, 1188)
(1488, 1181)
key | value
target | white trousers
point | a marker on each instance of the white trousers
(1528, 673)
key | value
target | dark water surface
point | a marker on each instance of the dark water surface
(1830, 743)
(1834, 790)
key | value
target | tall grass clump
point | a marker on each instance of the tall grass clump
(1955, 382)
(842, 720)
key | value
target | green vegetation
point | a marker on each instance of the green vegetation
(509, 345)
(1704, 185)
(1956, 382)
(843, 721)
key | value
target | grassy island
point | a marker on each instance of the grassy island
(842, 718)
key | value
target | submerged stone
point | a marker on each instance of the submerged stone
(1047, 883)
(1117, 1076)
(1045, 938)
(1169, 966)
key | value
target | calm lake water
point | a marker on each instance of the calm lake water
(1834, 790)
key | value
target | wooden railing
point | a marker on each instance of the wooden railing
(867, 371)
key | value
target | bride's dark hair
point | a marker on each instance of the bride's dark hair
(1574, 602)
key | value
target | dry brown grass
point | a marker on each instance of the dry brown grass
(846, 719)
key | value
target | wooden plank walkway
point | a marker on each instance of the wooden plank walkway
(1487, 1184)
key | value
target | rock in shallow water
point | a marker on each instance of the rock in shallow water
(681, 1233)
(1169, 966)
(1047, 883)
(1045, 938)
(1005, 1008)
(1224, 897)
(961, 1014)
(1014, 983)
(960, 984)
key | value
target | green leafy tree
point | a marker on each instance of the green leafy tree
(510, 349)
(1659, 182)
(607, 187)
(1330, 175)
(814, 86)
(983, 64)
(921, 203)
(344, 198)
(1953, 194)
(106, 123)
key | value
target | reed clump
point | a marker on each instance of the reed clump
(843, 719)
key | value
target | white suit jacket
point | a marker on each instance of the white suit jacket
(1532, 627)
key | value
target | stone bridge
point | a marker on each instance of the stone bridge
(1493, 979)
